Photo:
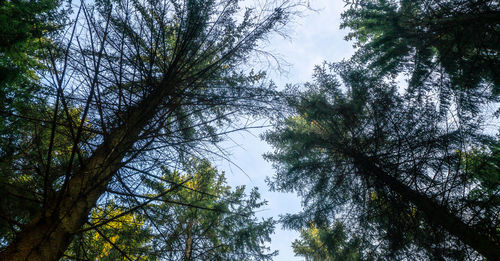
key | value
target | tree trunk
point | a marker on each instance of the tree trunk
(189, 241)
(437, 214)
(48, 235)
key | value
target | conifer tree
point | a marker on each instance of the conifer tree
(154, 82)
(204, 219)
(389, 163)
(421, 36)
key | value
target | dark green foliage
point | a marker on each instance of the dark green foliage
(206, 220)
(202, 219)
(419, 37)
(482, 166)
(24, 27)
(328, 149)
(24, 21)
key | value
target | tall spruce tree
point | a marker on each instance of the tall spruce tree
(153, 82)
(389, 163)
(206, 220)
(400, 162)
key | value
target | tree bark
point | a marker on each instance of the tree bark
(50, 232)
(189, 241)
(486, 245)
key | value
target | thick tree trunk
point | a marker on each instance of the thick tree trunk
(48, 235)
(437, 214)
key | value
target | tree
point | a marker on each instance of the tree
(124, 237)
(155, 81)
(397, 159)
(390, 163)
(24, 147)
(327, 243)
(25, 27)
(201, 220)
(422, 36)
(205, 220)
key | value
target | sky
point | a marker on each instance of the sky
(314, 37)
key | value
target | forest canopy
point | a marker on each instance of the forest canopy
(112, 113)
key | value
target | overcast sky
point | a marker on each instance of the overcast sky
(315, 38)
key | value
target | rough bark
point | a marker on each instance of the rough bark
(48, 235)
(435, 213)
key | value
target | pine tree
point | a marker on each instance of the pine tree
(206, 220)
(202, 219)
(389, 163)
(155, 81)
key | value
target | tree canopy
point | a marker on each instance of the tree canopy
(422, 36)
(111, 109)
(204, 219)
(326, 243)
(409, 164)
(129, 86)
(389, 163)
